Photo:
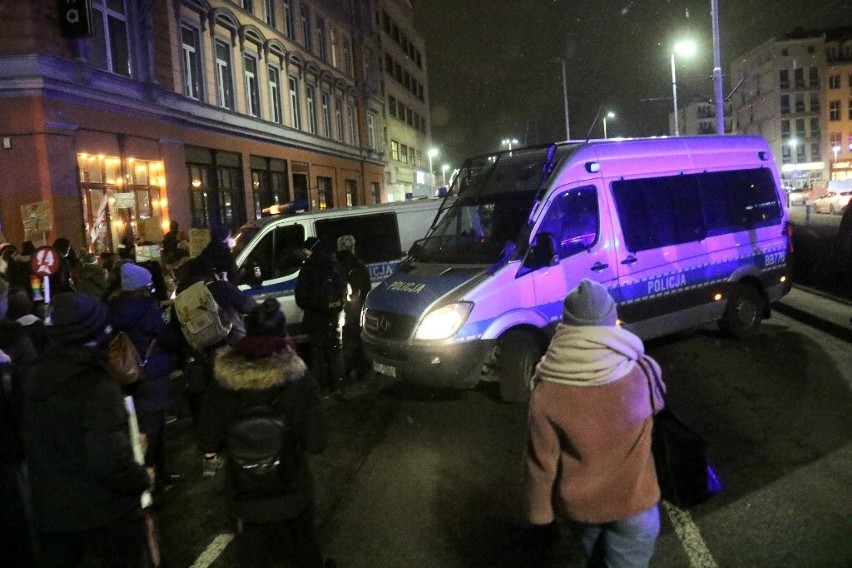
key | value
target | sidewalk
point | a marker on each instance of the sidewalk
(813, 307)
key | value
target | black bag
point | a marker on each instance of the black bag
(684, 472)
(262, 451)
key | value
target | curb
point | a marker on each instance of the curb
(839, 331)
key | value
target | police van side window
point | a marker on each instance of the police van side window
(664, 211)
(278, 253)
(573, 221)
(376, 235)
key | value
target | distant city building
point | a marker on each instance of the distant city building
(781, 92)
(699, 117)
(201, 111)
(837, 111)
(408, 133)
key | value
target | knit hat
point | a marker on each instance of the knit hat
(266, 319)
(134, 277)
(589, 304)
(258, 347)
(4, 298)
(346, 242)
(219, 233)
(77, 317)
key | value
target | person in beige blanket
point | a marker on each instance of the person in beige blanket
(588, 455)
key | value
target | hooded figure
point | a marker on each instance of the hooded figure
(264, 369)
(85, 482)
(588, 454)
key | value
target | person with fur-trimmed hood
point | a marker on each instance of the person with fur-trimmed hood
(588, 455)
(264, 369)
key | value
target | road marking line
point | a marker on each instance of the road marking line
(213, 550)
(690, 538)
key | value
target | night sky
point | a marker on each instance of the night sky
(494, 69)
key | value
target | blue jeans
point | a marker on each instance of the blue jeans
(626, 543)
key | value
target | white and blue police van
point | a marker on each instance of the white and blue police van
(268, 251)
(683, 232)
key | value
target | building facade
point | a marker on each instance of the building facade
(200, 111)
(699, 117)
(837, 114)
(779, 97)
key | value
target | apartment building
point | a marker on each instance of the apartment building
(783, 93)
(837, 114)
(116, 121)
(698, 116)
(407, 133)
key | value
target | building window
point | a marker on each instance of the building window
(109, 46)
(394, 150)
(785, 104)
(224, 75)
(347, 57)
(312, 110)
(813, 76)
(338, 117)
(325, 197)
(332, 34)
(351, 192)
(815, 106)
(295, 113)
(800, 102)
(834, 81)
(247, 5)
(288, 19)
(800, 128)
(322, 47)
(215, 187)
(353, 130)
(269, 12)
(833, 110)
(269, 183)
(403, 153)
(411, 155)
(191, 62)
(815, 129)
(371, 132)
(325, 101)
(306, 26)
(252, 90)
(375, 192)
(784, 78)
(816, 155)
(799, 77)
(391, 106)
(274, 80)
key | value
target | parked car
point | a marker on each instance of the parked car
(832, 202)
(796, 196)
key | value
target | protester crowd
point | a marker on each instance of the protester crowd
(76, 477)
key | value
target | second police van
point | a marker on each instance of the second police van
(268, 251)
(682, 231)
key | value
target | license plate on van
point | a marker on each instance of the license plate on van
(384, 369)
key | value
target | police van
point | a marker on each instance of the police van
(268, 251)
(682, 231)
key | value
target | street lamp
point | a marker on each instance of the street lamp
(793, 149)
(432, 152)
(606, 116)
(685, 48)
(444, 169)
(508, 142)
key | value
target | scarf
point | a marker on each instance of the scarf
(588, 356)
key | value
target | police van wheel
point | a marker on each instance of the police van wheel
(743, 313)
(517, 355)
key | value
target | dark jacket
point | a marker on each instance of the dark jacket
(17, 345)
(77, 442)
(358, 277)
(221, 258)
(142, 320)
(282, 379)
(309, 284)
(92, 280)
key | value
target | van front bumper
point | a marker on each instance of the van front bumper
(454, 365)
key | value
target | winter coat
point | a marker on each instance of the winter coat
(18, 347)
(92, 280)
(221, 258)
(589, 445)
(317, 316)
(358, 277)
(77, 442)
(142, 320)
(281, 379)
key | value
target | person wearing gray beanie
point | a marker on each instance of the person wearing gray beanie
(134, 277)
(588, 450)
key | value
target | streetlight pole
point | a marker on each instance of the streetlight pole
(565, 99)
(794, 150)
(606, 116)
(686, 48)
(432, 152)
(717, 69)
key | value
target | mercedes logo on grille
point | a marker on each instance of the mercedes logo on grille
(383, 324)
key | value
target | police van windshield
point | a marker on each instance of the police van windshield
(492, 198)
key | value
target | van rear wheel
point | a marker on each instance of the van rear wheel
(743, 312)
(517, 355)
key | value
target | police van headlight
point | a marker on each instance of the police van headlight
(443, 322)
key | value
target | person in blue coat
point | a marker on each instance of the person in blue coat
(134, 310)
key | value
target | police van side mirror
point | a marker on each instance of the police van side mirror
(542, 253)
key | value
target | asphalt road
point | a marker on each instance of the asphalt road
(418, 477)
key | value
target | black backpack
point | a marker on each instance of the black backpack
(321, 287)
(262, 451)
